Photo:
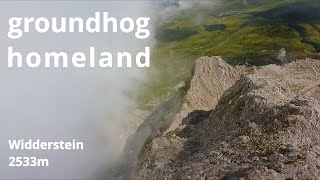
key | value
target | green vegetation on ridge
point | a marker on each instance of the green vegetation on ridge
(242, 33)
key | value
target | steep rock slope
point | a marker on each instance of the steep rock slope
(200, 93)
(259, 125)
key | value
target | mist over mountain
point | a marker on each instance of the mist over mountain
(53, 104)
(227, 115)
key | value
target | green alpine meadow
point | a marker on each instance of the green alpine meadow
(242, 32)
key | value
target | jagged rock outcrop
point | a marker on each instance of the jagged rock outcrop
(263, 124)
(199, 93)
(210, 79)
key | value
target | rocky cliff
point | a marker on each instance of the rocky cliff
(232, 123)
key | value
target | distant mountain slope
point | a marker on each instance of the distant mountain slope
(241, 31)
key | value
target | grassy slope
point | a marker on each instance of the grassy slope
(247, 38)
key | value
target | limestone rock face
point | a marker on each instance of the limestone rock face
(211, 78)
(234, 123)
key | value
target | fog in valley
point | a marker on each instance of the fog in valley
(52, 104)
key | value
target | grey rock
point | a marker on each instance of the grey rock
(234, 116)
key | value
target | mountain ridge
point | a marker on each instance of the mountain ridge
(231, 123)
